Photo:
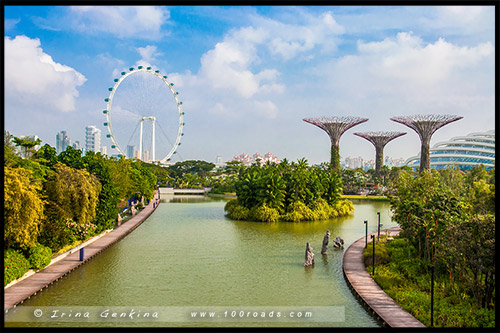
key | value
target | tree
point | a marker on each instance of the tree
(194, 167)
(26, 145)
(46, 155)
(469, 247)
(143, 181)
(23, 208)
(71, 157)
(73, 194)
(107, 206)
(424, 207)
(9, 149)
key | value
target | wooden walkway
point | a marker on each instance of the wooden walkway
(369, 293)
(22, 290)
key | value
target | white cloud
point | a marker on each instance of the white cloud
(405, 66)
(33, 78)
(234, 65)
(148, 54)
(289, 40)
(143, 22)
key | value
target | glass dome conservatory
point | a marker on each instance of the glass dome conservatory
(464, 152)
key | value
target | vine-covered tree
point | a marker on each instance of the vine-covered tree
(23, 208)
(73, 194)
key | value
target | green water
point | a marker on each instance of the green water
(187, 254)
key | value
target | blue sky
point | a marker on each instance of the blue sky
(248, 75)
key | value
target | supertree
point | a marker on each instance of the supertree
(335, 127)
(425, 125)
(379, 140)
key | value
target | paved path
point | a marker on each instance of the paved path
(28, 287)
(360, 281)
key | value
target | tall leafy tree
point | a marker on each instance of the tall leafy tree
(107, 205)
(26, 145)
(73, 193)
(23, 208)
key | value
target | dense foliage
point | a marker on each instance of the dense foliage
(406, 278)
(39, 257)
(287, 192)
(448, 220)
(23, 208)
(52, 201)
(15, 265)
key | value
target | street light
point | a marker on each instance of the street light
(432, 295)
(373, 258)
(366, 234)
(378, 237)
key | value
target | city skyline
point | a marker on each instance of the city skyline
(246, 89)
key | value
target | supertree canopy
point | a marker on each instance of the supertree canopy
(425, 125)
(335, 127)
(379, 140)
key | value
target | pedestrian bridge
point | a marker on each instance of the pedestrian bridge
(171, 190)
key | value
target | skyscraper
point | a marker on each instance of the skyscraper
(92, 139)
(130, 151)
(62, 141)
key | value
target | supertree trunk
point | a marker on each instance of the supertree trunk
(379, 140)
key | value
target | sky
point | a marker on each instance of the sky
(247, 76)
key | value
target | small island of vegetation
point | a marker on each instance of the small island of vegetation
(289, 192)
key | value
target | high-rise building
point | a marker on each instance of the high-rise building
(76, 145)
(145, 156)
(130, 151)
(104, 150)
(92, 139)
(62, 142)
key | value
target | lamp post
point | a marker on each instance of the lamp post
(373, 258)
(378, 236)
(366, 234)
(432, 295)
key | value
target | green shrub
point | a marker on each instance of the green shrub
(386, 278)
(321, 209)
(235, 211)
(15, 265)
(298, 211)
(342, 208)
(56, 235)
(381, 254)
(39, 257)
(81, 231)
(265, 214)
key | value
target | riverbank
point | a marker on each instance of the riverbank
(383, 307)
(365, 197)
(16, 293)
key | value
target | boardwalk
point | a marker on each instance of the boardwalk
(360, 281)
(24, 289)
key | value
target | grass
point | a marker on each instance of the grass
(365, 197)
(406, 279)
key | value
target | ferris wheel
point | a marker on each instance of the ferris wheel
(144, 95)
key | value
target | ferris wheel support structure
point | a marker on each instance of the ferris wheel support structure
(153, 121)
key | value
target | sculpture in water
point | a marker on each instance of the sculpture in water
(309, 256)
(325, 242)
(338, 243)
